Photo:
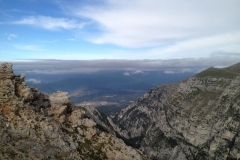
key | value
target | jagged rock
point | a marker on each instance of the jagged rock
(60, 105)
(25, 92)
(37, 126)
(59, 99)
(22, 76)
(88, 123)
(75, 117)
(6, 71)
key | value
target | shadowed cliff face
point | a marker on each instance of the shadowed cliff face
(198, 118)
(38, 126)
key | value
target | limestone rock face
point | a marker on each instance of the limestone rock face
(60, 106)
(38, 126)
(75, 117)
(6, 71)
(198, 118)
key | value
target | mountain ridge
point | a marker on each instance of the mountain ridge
(198, 118)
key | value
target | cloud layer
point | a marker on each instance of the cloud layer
(50, 23)
(11, 36)
(128, 66)
(35, 81)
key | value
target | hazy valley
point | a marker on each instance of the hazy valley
(109, 91)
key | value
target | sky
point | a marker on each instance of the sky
(120, 29)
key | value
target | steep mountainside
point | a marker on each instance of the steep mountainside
(198, 118)
(38, 126)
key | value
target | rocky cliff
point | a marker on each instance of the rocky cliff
(198, 118)
(38, 126)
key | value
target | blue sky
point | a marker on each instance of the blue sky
(111, 29)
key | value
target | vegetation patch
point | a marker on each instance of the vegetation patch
(65, 130)
(90, 150)
(162, 139)
(215, 72)
(102, 128)
(133, 142)
(17, 112)
(83, 127)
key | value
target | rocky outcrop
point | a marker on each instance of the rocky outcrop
(38, 126)
(198, 118)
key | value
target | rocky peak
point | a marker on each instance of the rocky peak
(34, 125)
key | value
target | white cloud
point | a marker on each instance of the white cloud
(28, 47)
(169, 72)
(138, 72)
(50, 41)
(159, 22)
(201, 47)
(50, 22)
(220, 66)
(133, 72)
(126, 74)
(35, 81)
(71, 39)
(183, 70)
(11, 36)
(163, 29)
(147, 29)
